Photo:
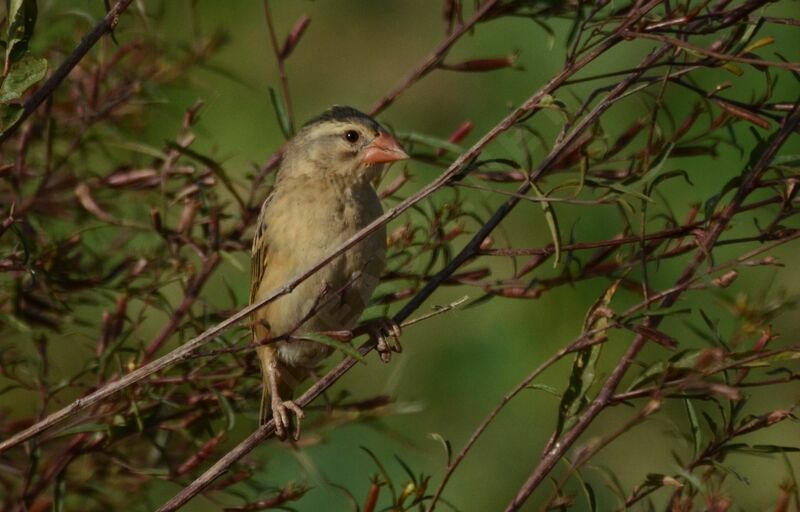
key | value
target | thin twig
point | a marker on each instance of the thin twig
(287, 100)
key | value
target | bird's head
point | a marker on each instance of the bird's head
(343, 141)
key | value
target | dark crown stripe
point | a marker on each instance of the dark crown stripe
(341, 113)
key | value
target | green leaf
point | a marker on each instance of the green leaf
(697, 437)
(750, 32)
(154, 472)
(588, 492)
(346, 348)
(86, 427)
(135, 147)
(16, 322)
(655, 176)
(432, 142)
(552, 223)
(792, 160)
(733, 68)
(789, 355)
(548, 101)
(713, 328)
(59, 491)
(407, 469)
(9, 115)
(383, 472)
(690, 478)
(227, 408)
(628, 207)
(667, 176)
(22, 19)
(730, 470)
(448, 448)
(137, 415)
(712, 425)
(22, 74)
(544, 387)
(283, 115)
(583, 368)
(660, 312)
(770, 448)
(616, 187)
(684, 360)
(576, 30)
(661, 158)
(232, 260)
(584, 170)
(551, 35)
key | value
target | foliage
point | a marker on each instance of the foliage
(106, 237)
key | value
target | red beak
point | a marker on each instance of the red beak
(383, 150)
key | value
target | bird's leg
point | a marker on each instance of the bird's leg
(387, 333)
(280, 407)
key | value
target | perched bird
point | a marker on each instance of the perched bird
(324, 193)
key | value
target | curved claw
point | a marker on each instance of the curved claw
(283, 422)
(384, 330)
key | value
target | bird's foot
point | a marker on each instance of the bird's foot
(387, 333)
(282, 411)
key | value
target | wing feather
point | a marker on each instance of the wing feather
(258, 263)
(258, 266)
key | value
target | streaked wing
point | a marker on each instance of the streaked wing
(258, 263)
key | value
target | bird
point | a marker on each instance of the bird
(324, 193)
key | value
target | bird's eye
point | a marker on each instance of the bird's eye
(351, 136)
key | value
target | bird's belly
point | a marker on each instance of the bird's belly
(331, 300)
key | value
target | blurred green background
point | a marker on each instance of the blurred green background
(456, 367)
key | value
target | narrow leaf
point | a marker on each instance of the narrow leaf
(583, 368)
(760, 43)
(430, 141)
(346, 348)
(694, 424)
(448, 448)
(544, 387)
(283, 116)
(383, 472)
(552, 223)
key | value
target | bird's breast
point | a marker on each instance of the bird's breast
(304, 225)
